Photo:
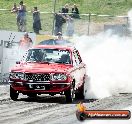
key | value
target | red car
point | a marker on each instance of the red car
(49, 69)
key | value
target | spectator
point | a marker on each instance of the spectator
(14, 8)
(59, 34)
(65, 9)
(60, 40)
(59, 20)
(70, 26)
(25, 42)
(36, 20)
(75, 12)
(21, 17)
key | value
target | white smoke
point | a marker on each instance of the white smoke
(108, 59)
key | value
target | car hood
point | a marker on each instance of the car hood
(41, 68)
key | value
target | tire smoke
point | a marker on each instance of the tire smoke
(108, 58)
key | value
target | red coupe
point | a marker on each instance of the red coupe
(49, 69)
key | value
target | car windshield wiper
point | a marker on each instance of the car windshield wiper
(31, 61)
(62, 62)
(44, 62)
(41, 62)
(59, 62)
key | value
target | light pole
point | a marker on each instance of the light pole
(89, 19)
(54, 16)
(2, 45)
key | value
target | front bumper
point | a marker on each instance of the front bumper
(40, 87)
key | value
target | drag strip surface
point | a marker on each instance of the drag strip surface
(51, 110)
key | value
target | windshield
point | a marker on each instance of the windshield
(48, 56)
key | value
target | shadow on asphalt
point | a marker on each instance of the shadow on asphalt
(54, 99)
(4, 83)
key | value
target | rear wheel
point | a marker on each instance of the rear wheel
(80, 93)
(13, 94)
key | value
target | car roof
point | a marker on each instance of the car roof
(54, 42)
(71, 48)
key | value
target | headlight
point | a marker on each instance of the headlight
(17, 75)
(59, 77)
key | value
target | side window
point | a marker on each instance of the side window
(74, 60)
(77, 57)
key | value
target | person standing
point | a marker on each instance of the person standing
(14, 8)
(75, 11)
(65, 10)
(21, 17)
(70, 26)
(15, 11)
(25, 42)
(59, 20)
(36, 20)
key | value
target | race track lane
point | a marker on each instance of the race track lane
(51, 110)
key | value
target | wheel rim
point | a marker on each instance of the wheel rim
(72, 94)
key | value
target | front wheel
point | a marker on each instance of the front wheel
(69, 95)
(13, 94)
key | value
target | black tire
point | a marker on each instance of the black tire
(80, 93)
(13, 94)
(69, 95)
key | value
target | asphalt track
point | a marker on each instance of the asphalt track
(51, 110)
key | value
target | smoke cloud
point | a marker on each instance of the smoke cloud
(108, 58)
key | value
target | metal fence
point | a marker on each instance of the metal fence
(9, 23)
(88, 24)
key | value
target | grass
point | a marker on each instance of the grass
(111, 7)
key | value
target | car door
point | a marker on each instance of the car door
(79, 69)
(82, 68)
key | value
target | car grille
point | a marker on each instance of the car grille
(37, 77)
